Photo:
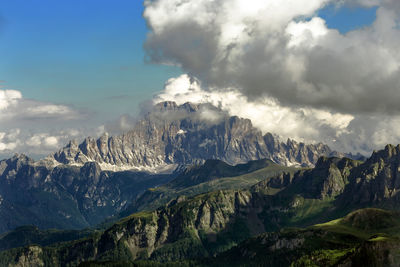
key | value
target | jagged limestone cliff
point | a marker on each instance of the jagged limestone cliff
(172, 134)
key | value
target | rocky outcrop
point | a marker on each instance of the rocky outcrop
(193, 228)
(172, 134)
(322, 245)
(279, 181)
(327, 179)
(380, 254)
(147, 234)
(29, 257)
(206, 224)
(375, 181)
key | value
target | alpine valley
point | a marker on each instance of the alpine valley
(190, 185)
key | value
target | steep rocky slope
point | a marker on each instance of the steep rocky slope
(208, 224)
(71, 197)
(328, 179)
(65, 196)
(368, 237)
(323, 193)
(212, 175)
(375, 182)
(198, 227)
(186, 134)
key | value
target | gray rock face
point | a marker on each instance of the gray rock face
(328, 178)
(65, 196)
(377, 180)
(186, 134)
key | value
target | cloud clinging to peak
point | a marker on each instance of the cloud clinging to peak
(305, 124)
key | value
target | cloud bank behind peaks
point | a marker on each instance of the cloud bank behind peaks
(266, 114)
(342, 131)
(281, 49)
(34, 127)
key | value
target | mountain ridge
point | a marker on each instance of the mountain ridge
(79, 196)
(205, 225)
(186, 134)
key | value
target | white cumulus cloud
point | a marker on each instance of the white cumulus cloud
(9, 97)
(37, 128)
(281, 49)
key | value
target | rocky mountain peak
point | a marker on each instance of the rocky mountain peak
(167, 105)
(389, 153)
(328, 162)
(72, 144)
(15, 163)
(18, 161)
(21, 158)
(328, 179)
(181, 134)
(190, 107)
(91, 170)
(375, 180)
(172, 106)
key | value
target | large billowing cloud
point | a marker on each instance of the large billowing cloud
(278, 48)
(295, 76)
(34, 127)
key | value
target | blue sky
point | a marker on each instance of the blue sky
(89, 53)
(346, 19)
(85, 53)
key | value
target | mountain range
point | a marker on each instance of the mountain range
(86, 183)
(192, 186)
(173, 134)
(205, 229)
(65, 197)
